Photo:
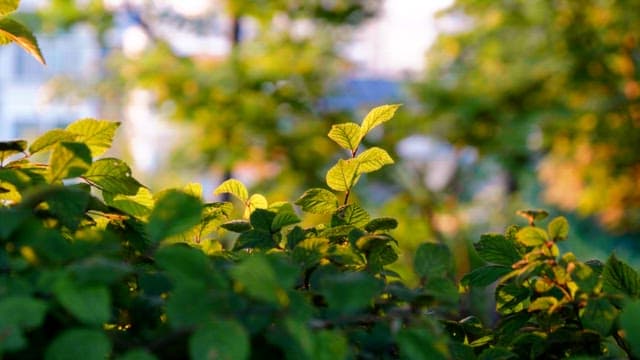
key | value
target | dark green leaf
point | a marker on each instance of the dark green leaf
(254, 239)
(189, 304)
(497, 249)
(257, 277)
(186, 264)
(89, 304)
(599, 315)
(68, 204)
(137, 354)
(485, 275)
(79, 344)
(8, 148)
(318, 201)
(630, 324)
(99, 270)
(620, 278)
(350, 291)
(309, 252)
(237, 226)
(262, 219)
(283, 219)
(442, 289)
(497, 353)
(21, 311)
(511, 298)
(420, 344)
(433, 260)
(221, 339)
(174, 212)
(384, 223)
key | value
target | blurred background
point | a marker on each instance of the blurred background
(508, 104)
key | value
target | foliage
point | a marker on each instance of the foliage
(550, 304)
(557, 78)
(94, 265)
(13, 31)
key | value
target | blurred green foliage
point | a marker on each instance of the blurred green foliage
(547, 83)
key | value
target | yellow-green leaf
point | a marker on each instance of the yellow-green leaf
(378, 116)
(11, 30)
(235, 188)
(373, 159)
(558, 228)
(347, 135)
(50, 139)
(68, 160)
(97, 134)
(8, 6)
(256, 201)
(532, 236)
(343, 175)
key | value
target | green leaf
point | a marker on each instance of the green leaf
(233, 187)
(485, 275)
(256, 201)
(89, 304)
(137, 354)
(262, 219)
(69, 160)
(255, 276)
(21, 311)
(511, 297)
(620, 278)
(497, 353)
(350, 291)
(283, 219)
(384, 223)
(68, 204)
(112, 175)
(97, 134)
(99, 270)
(347, 135)
(185, 264)
(544, 303)
(221, 339)
(532, 236)
(420, 344)
(189, 304)
(138, 205)
(8, 6)
(12, 30)
(533, 215)
(237, 226)
(378, 116)
(174, 212)
(49, 139)
(558, 228)
(343, 175)
(318, 201)
(79, 344)
(433, 260)
(8, 148)
(599, 315)
(497, 249)
(373, 159)
(255, 238)
(352, 214)
(442, 289)
(630, 323)
(309, 252)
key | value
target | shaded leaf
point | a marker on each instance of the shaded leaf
(174, 212)
(283, 219)
(433, 260)
(620, 278)
(8, 148)
(89, 304)
(485, 275)
(630, 324)
(497, 249)
(420, 344)
(384, 223)
(544, 303)
(79, 344)
(237, 226)
(258, 278)
(350, 291)
(255, 238)
(309, 252)
(221, 339)
(599, 315)
(352, 214)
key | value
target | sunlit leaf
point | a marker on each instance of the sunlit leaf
(233, 187)
(373, 159)
(12, 30)
(97, 134)
(8, 6)
(318, 201)
(558, 228)
(174, 212)
(8, 148)
(343, 175)
(69, 160)
(50, 139)
(378, 116)
(532, 236)
(347, 135)
(138, 205)
(112, 175)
